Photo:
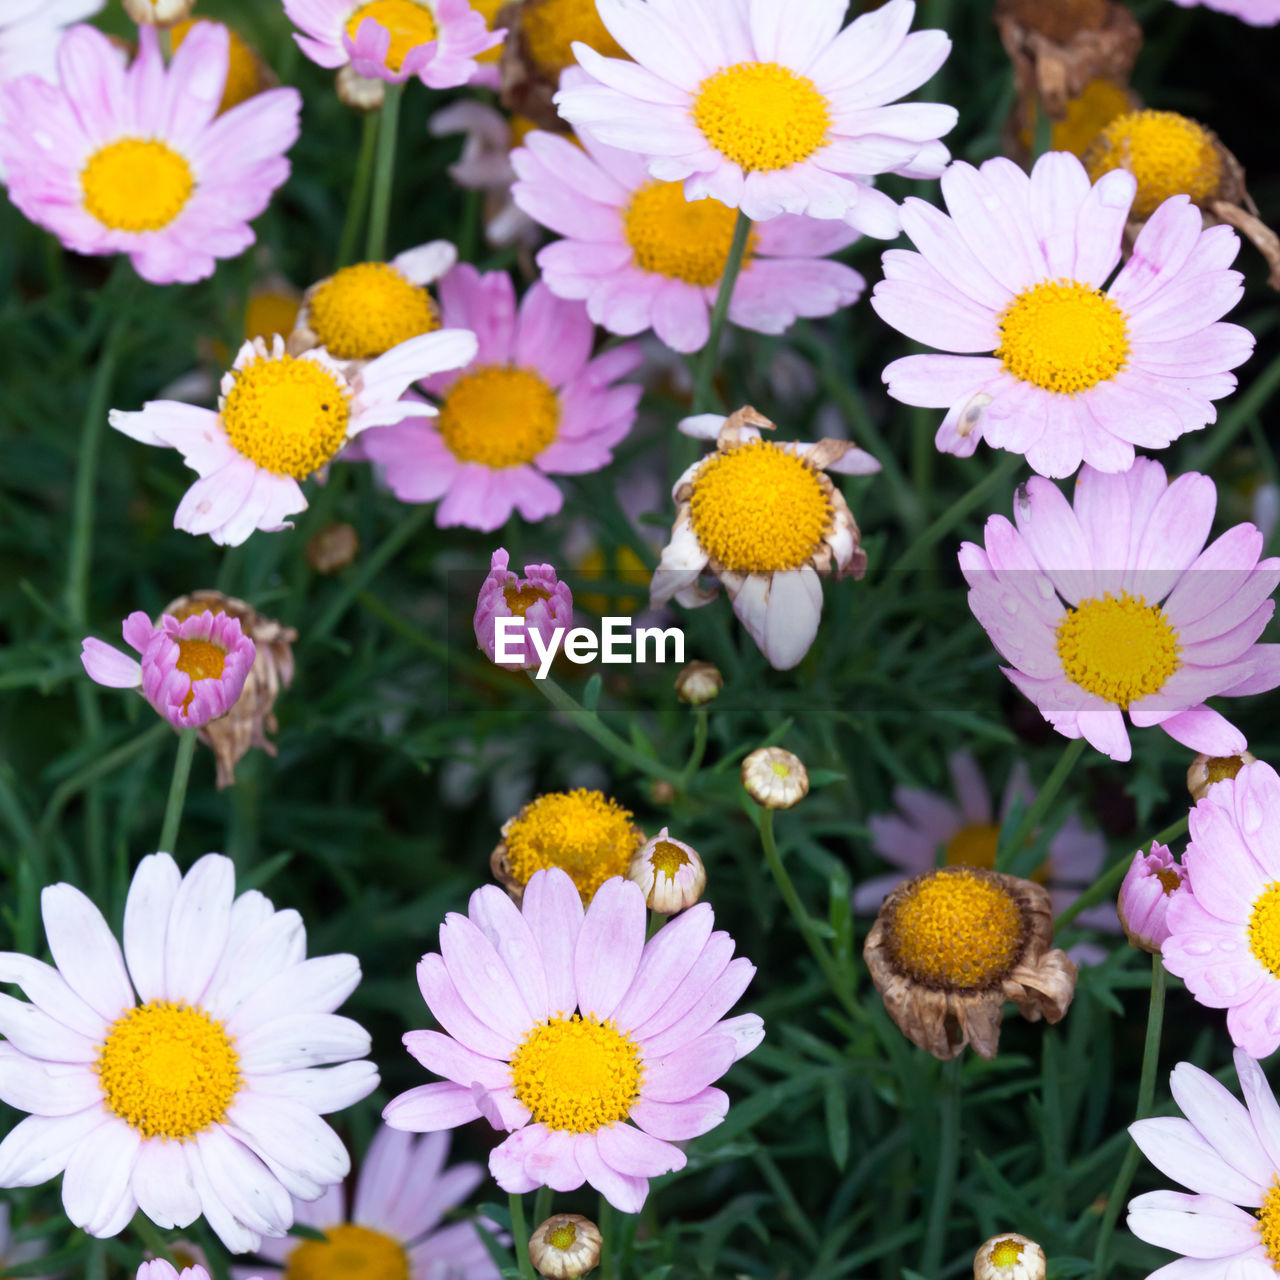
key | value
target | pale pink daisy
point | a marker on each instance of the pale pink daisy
(281, 418)
(560, 1026)
(1147, 891)
(30, 31)
(1114, 604)
(643, 257)
(1258, 13)
(539, 600)
(201, 1094)
(175, 194)
(770, 108)
(1080, 371)
(192, 670)
(532, 403)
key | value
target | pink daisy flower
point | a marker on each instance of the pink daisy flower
(281, 418)
(192, 671)
(436, 40)
(561, 1026)
(540, 599)
(1077, 372)
(531, 403)
(1147, 891)
(1258, 13)
(175, 200)
(1115, 605)
(769, 108)
(1227, 1156)
(643, 257)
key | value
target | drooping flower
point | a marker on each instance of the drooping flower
(30, 31)
(280, 418)
(769, 108)
(247, 74)
(765, 519)
(643, 257)
(199, 1095)
(669, 872)
(175, 200)
(1076, 373)
(1258, 13)
(1149, 887)
(539, 598)
(561, 1025)
(530, 403)
(1113, 604)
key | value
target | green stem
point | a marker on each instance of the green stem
(520, 1238)
(1034, 815)
(542, 1206)
(604, 1221)
(935, 1237)
(177, 790)
(1146, 1094)
(699, 746)
(358, 205)
(383, 174)
(704, 396)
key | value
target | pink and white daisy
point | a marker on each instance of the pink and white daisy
(643, 257)
(560, 1026)
(199, 1095)
(30, 31)
(192, 670)
(1258, 13)
(1114, 604)
(176, 200)
(1147, 891)
(281, 418)
(768, 108)
(1227, 1156)
(539, 599)
(436, 40)
(529, 404)
(1078, 372)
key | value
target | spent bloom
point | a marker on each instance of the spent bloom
(539, 598)
(1077, 372)
(174, 201)
(1205, 770)
(562, 1025)
(769, 108)
(565, 1246)
(775, 778)
(1149, 887)
(193, 668)
(199, 1095)
(30, 31)
(669, 872)
(1010, 1256)
(1113, 605)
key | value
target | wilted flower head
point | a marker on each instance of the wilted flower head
(1009, 1257)
(1205, 770)
(1149, 886)
(566, 1246)
(539, 598)
(699, 683)
(775, 778)
(670, 872)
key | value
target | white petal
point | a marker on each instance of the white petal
(85, 951)
(146, 919)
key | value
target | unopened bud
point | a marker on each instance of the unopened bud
(698, 682)
(1009, 1257)
(774, 778)
(567, 1245)
(1206, 770)
(158, 13)
(670, 872)
(358, 91)
(332, 548)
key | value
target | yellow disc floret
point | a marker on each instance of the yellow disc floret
(348, 1251)
(363, 311)
(1063, 336)
(1167, 153)
(1221, 768)
(974, 846)
(682, 239)
(242, 66)
(1006, 1253)
(409, 23)
(956, 928)
(563, 1237)
(761, 115)
(1264, 928)
(758, 509)
(667, 858)
(1096, 107)
(1269, 1222)
(577, 1074)
(201, 660)
(499, 417)
(136, 184)
(168, 1070)
(521, 599)
(551, 27)
(1120, 648)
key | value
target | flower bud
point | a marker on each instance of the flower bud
(565, 1246)
(670, 872)
(158, 13)
(332, 548)
(698, 682)
(1206, 770)
(774, 778)
(1149, 886)
(540, 600)
(359, 91)
(1009, 1257)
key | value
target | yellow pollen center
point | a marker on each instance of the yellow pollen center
(1221, 768)
(520, 599)
(682, 239)
(1167, 153)
(957, 929)
(1121, 648)
(409, 23)
(269, 313)
(1269, 1223)
(201, 660)
(1169, 879)
(564, 1237)
(348, 1252)
(363, 311)
(1087, 116)
(761, 115)
(577, 1074)
(551, 27)
(242, 66)
(499, 417)
(585, 833)
(1063, 336)
(168, 1070)
(974, 846)
(1006, 1253)
(136, 184)
(667, 858)
(758, 509)
(287, 415)
(1264, 931)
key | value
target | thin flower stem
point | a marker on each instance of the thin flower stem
(542, 1206)
(358, 205)
(383, 174)
(704, 396)
(944, 1180)
(1047, 794)
(699, 745)
(605, 1223)
(520, 1237)
(177, 790)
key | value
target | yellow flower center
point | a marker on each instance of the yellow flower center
(682, 239)
(348, 1252)
(1269, 1223)
(242, 66)
(168, 1070)
(1168, 154)
(201, 660)
(762, 115)
(363, 311)
(974, 846)
(577, 1074)
(409, 23)
(1222, 768)
(1264, 929)
(585, 833)
(1063, 336)
(499, 417)
(551, 27)
(1087, 116)
(488, 10)
(563, 1237)
(1006, 1253)
(520, 599)
(269, 313)
(1169, 879)
(1121, 648)
(758, 509)
(522, 127)
(956, 928)
(136, 184)
(287, 415)
(667, 858)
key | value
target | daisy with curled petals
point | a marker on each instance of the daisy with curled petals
(199, 1095)
(1113, 604)
(643, 257)
(30, 31)
(531, 403)
(765, 519)
(1077, 372)
(562, 1025)
(280, 418)
(174, 200)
